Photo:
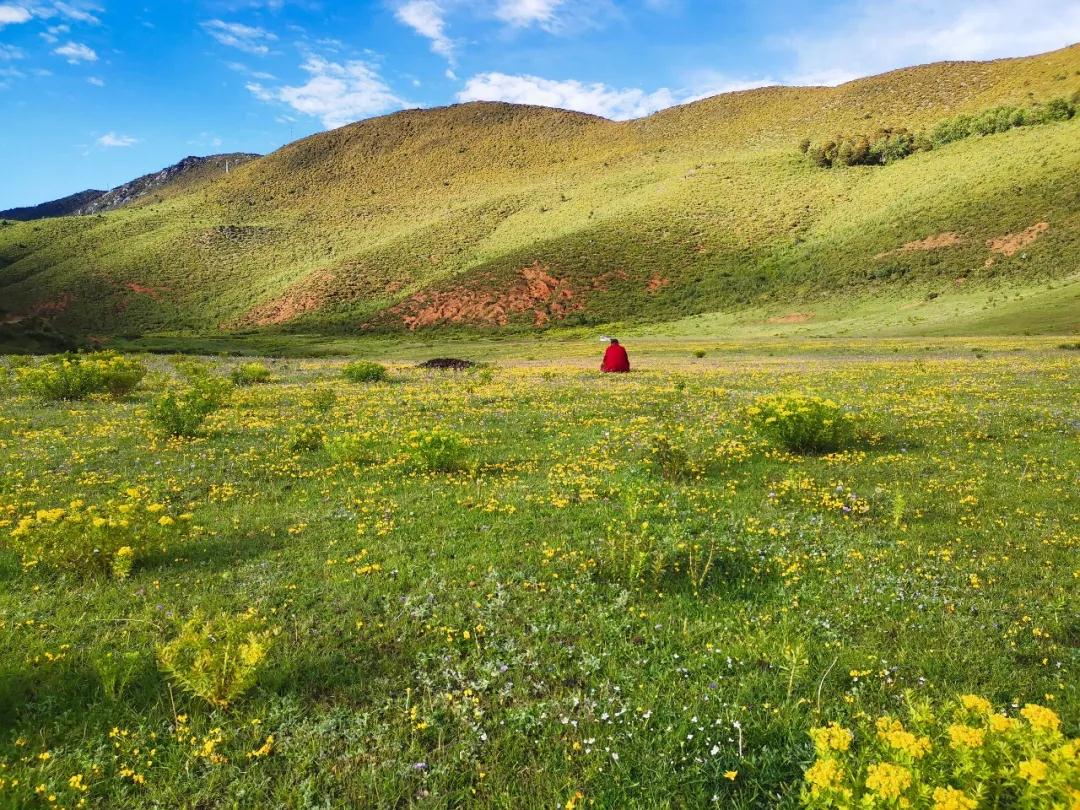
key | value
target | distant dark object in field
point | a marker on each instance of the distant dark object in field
(449, 363)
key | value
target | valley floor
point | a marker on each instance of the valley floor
(617, 595)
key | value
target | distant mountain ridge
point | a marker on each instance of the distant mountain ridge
(182, 174)
(64, 207)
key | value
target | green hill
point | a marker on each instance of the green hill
(490, 215)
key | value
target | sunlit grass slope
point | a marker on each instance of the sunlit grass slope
(492, 215)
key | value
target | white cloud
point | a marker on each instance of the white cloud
(523, 13)
(595, 98)
(336, 93)
(246, 38)
(13, 15)
(111, 140)
(874, 37)
(53, 32)
(76, 52)
(94, 80)
(9, 53)
(76, 13)
(427, 18)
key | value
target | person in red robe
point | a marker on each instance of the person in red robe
(615, 358)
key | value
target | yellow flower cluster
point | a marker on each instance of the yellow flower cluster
(958, 756)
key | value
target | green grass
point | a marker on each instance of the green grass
(926, 558)
(703, 209)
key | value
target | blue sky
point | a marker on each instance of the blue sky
(97, 92)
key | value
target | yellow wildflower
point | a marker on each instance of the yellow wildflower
(1033, 770)
(1040, 717)
(961, 736)
(824, 775)
(974, 703)
(833, 737)
(887, 780)
(949, 798)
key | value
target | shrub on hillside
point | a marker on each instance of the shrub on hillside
(959, 757)
(75, 377)
(89, 539)
(363, 371)
(250, 374)
(803, 424)
(218, 659)
(182, 413)
(890, 145)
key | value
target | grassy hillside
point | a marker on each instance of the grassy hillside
(501, 216)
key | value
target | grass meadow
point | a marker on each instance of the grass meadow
(530, 585)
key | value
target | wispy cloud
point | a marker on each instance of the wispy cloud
(13, 15)
(110, 140)
(9, 53)
(336, 94)
(523, 13)
(76, 52)
(873, 37)
(427, 18)
(597, 98)
(246, 38)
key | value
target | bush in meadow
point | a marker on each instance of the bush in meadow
(218, 659)
(74, 377)
(962, 756)
(669, 459)
(437, 449)
(804, 424)
(182, 413)
(250, 374)
(89, 539)
(353, 448)
(363, 371)
(306, 438)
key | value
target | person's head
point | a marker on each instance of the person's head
(614, 341)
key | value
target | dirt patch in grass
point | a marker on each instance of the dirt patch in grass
(51, 306)
(306, 296)
(794, 317)
(933, 242)
(1011, 243)
(534, 291)
(656, 283)
(142, 289)
(447, 364)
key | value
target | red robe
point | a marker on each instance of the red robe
(615, 359)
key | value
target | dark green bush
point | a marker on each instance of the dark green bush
(182, 413)
(363, 371)
(250, 374)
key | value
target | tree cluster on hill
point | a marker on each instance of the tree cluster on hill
(889, 145)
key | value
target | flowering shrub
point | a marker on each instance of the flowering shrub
(250, 374)
(437, 449)
(669, 459)
(362, 371)
(963, 757)
(96, 539)
(181, 414)
(803, 424)
(75, 377)
(353, 448)
(305, 438)
(218, 659)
